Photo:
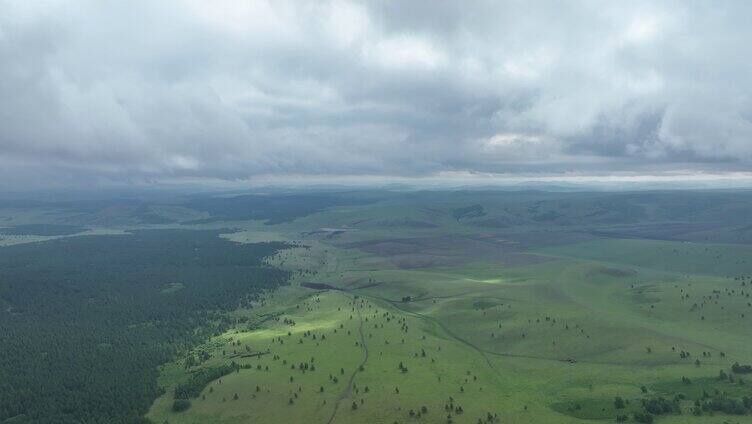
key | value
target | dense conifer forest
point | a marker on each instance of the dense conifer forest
(90, 318)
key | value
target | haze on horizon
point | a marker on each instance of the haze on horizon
(96, 92)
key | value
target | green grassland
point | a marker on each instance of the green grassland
(551, 336)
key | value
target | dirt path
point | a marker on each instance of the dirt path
(345, 393)
(483, 352)
(448, 332)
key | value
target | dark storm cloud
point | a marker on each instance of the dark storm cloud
(222, 89)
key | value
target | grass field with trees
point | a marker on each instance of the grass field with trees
(446, 307)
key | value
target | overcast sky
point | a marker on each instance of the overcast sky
(134, 91)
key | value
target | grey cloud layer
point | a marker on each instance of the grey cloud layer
(227, 89)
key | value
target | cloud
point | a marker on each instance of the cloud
(233, 90)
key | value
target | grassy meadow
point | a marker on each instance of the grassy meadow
(410, 323)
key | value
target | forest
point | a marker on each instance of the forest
(89, 319)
